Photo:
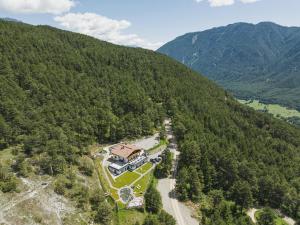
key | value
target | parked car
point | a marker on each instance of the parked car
(158, 159)
(153, 161)
(162, 156)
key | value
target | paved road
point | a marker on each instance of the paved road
(166, 187)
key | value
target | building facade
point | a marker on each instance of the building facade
(126, 157)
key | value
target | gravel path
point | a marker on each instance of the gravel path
(148, 142)
(251, 214)
(289, 221)
(166, 187)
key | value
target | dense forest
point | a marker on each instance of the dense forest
(60, 92)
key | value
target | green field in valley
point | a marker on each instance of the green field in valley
(275, 109)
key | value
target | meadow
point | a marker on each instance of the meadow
(275, 109)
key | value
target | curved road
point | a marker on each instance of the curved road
(178, 210)
(251, 213)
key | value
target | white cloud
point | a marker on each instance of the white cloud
(218, 3)
(37, 6)
(249, 1)
(103, 28)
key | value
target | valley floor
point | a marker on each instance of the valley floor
(274, 109)
(278, 111)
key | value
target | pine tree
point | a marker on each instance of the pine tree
(153, 202)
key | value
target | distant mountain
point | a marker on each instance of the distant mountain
(253, 61)
(10, 20)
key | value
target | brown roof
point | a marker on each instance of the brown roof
(124, 150)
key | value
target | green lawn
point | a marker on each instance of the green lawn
(121, 205)
(112, 181)
(141, 185)
(125, 179)
(272, 108)
(128, 217)
(144, 168)
(278, 220)
(114, 194)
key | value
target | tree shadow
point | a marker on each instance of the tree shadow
(172, 194)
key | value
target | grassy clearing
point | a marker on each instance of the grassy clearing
(143, 169)
(105, 185)
(278, 220)
(128, 217)
(103, 181)
(6, 156)
(141, 185)
(276, 110)
(121, 205)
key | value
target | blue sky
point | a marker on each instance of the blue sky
(148, 23)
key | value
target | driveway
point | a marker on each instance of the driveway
(147, 142)
(178, 210)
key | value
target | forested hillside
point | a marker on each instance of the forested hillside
(60, 92)
(253, 61)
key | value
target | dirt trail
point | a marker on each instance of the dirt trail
(251, 214)
(34, 189)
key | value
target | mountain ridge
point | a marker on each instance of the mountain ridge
(250, 60)
(8, 19)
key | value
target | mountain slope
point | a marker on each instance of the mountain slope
(60, 92)
(253, 61)
(10, 20)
